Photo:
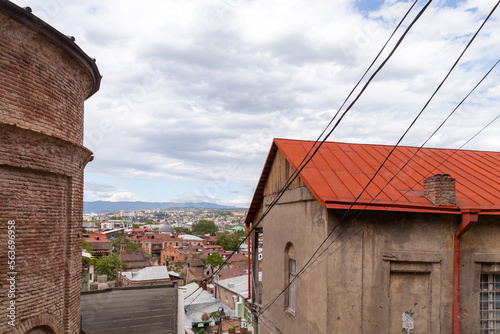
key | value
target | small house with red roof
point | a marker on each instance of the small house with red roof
(99, 243)
(417, 250)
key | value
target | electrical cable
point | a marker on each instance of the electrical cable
(357, 84)
(308, 270)
(290, 180)
(388, 156)
(416, 152)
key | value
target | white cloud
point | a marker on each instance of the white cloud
(192, 86)
(123, 196)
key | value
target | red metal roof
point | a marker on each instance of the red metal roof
(339, 171)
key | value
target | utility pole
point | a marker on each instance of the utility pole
(220, 319)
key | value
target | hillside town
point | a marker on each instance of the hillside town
(141, 248)
(389, 225)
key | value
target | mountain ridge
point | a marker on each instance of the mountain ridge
(103, 206)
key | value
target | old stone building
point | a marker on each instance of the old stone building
(421, 253)
(44, 79)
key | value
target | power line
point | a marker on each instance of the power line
(416, 152)
(357, 84)
(388, 156)
(308, 270)
(331, 131)
(297, 172)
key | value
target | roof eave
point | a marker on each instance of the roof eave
(258, 196)
(25, 17)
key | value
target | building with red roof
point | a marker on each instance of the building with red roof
(421, 243)
(99, 243)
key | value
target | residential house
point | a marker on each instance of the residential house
(113, 224)
(198, 302)
(192, 240)
(231, 272)
(196, 271)
(237, 261)
(99, 243)
(114, 233)
(174, 254)
(210, 240)
(233, 292)
(154, 243)
(133, 260)
(419, 248)
(156, 275)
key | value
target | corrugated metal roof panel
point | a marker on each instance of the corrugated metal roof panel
(339, 171)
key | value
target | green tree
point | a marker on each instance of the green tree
(214, 261)
(230, 241)
(109, 265)
(205, 227)
(182, 230)
(136, 225)
(131, 246)
(86, 246)
(115, 218)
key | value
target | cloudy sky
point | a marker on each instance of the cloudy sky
(193, 92)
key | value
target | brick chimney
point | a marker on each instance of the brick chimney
(440, 189)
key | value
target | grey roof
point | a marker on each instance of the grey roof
(151, 310)
(166, 229)
(237, 284)
(173, 273)
(190, 237)
(147, 274)
(199, 302)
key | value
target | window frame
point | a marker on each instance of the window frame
(489, 287)
(290, 272)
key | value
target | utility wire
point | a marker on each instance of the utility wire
(414, 154)
(388, 156)
(429, 173)
(291, 179)
(331, 131)
(356, 86)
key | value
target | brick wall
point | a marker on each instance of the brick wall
(440, 189)
(42, 91)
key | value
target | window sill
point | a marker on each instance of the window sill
(289, 314)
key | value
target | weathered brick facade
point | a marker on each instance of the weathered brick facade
(440, 189)
(44, 80)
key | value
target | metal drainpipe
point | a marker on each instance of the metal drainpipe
(469, 218)
(248, 263)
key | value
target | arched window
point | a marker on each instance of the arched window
(290, 273)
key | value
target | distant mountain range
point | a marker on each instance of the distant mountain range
(102, 206)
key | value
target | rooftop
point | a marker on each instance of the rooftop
(190, 237)
(148, 274)
(130, 310)
(338, 172)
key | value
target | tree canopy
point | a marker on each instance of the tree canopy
(230, 241)
(205, 227)
(131, 246)
(213, 260)
(86, 246)
(109, 265)
(182, 230)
